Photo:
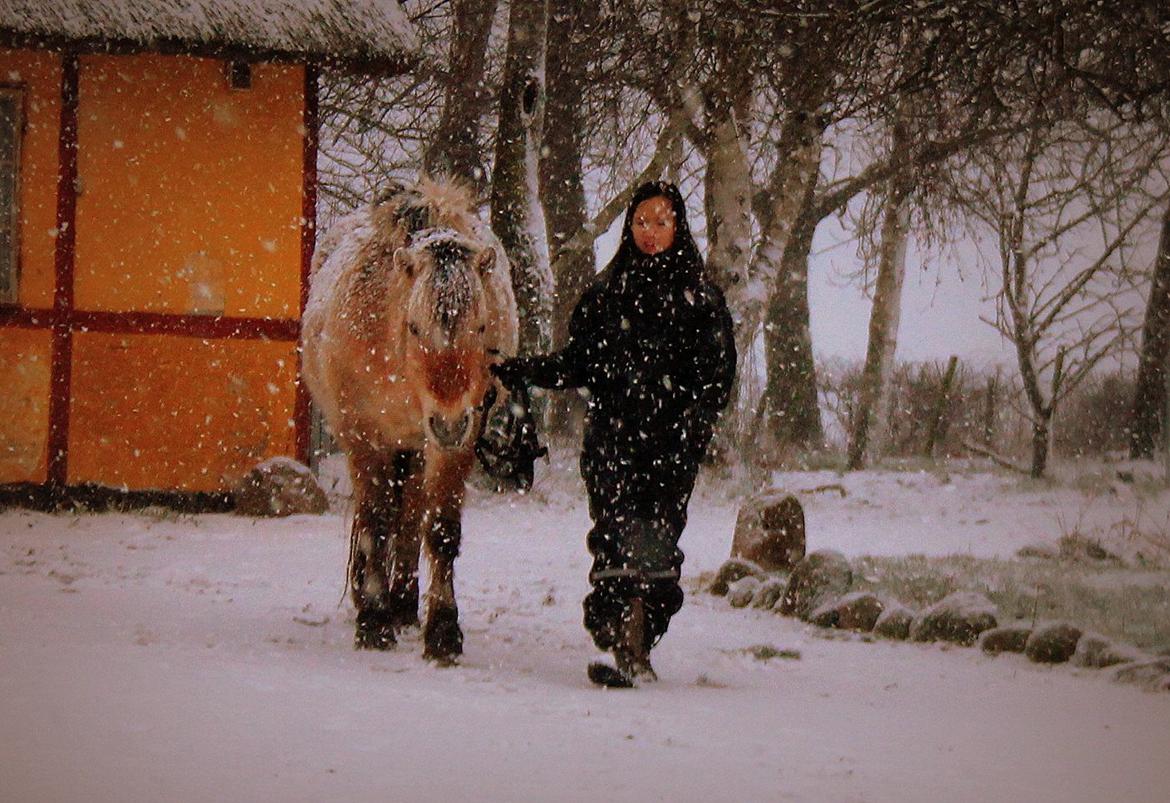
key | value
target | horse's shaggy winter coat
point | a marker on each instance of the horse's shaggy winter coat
(410, 301)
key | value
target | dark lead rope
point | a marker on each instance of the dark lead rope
(511, 458)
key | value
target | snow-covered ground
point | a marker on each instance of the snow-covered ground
(158, 657)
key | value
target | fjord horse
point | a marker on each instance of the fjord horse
(410, 301)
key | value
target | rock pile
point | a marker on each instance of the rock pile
(817, 590)
(769, 570)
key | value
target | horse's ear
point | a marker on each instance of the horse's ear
(485, 261)
(404, 261)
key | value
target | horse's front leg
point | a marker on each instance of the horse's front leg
(374, 515)
(446, 473)
(408, 476)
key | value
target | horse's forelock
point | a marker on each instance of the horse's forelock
(450, 287)
(414, 214)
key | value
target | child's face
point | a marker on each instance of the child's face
(654, 225)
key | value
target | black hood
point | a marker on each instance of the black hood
(680, 265)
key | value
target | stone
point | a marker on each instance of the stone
(279, 486)
(817, 576)
(769, 531)
(1152, 674)
(769, 593)
(1006, 638)
(825, 615)
(1094, 651)
(732, 570)
(1052, 643)
(959, 618)
(858, 611)
(894, 623)
(741, 592)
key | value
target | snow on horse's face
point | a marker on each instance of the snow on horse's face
(446, 356)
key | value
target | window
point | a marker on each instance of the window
(11, 125)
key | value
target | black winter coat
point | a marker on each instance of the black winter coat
(652, 342)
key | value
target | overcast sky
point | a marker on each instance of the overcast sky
(942, 301)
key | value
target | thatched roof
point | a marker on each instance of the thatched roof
(371, 34)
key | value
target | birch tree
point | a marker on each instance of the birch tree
(873, 402)
(515, 211)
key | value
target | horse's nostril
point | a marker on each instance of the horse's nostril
(450, 433)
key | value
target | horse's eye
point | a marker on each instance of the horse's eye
(413, 327)
(482, 328)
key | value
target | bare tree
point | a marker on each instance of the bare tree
(1149, 406)
(1065, 204)
(874, 398)
(455, 149)
(371, 133)
(515, 213)
(375, 131)
(571, 49)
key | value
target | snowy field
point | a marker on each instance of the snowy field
(158, 657)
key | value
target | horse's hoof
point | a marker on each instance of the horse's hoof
(442, 638)
(374, 631)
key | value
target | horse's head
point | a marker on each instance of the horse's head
(445, 331)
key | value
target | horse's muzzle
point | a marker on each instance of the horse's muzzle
(450, 434)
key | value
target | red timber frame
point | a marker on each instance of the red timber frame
(63, 320)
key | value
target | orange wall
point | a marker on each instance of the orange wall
(190, 191)
(24, 403)
(189, 202)
(163, 412)
(40, 75)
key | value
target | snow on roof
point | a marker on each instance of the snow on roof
(361, 32)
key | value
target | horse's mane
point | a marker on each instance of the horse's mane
(427, 205)
(400, 209)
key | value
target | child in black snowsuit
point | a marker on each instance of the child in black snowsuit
(651, 342)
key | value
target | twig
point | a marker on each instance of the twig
(995, 458)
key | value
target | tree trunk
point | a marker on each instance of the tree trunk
(455, 149)
(727, 190)
(1150, 394)
(873, 406)
(991, 409)
(515, 212)
(789, 187)
(791, 410)
(562, 190)
(1040, 440)
(727, 195)
(937, 430)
